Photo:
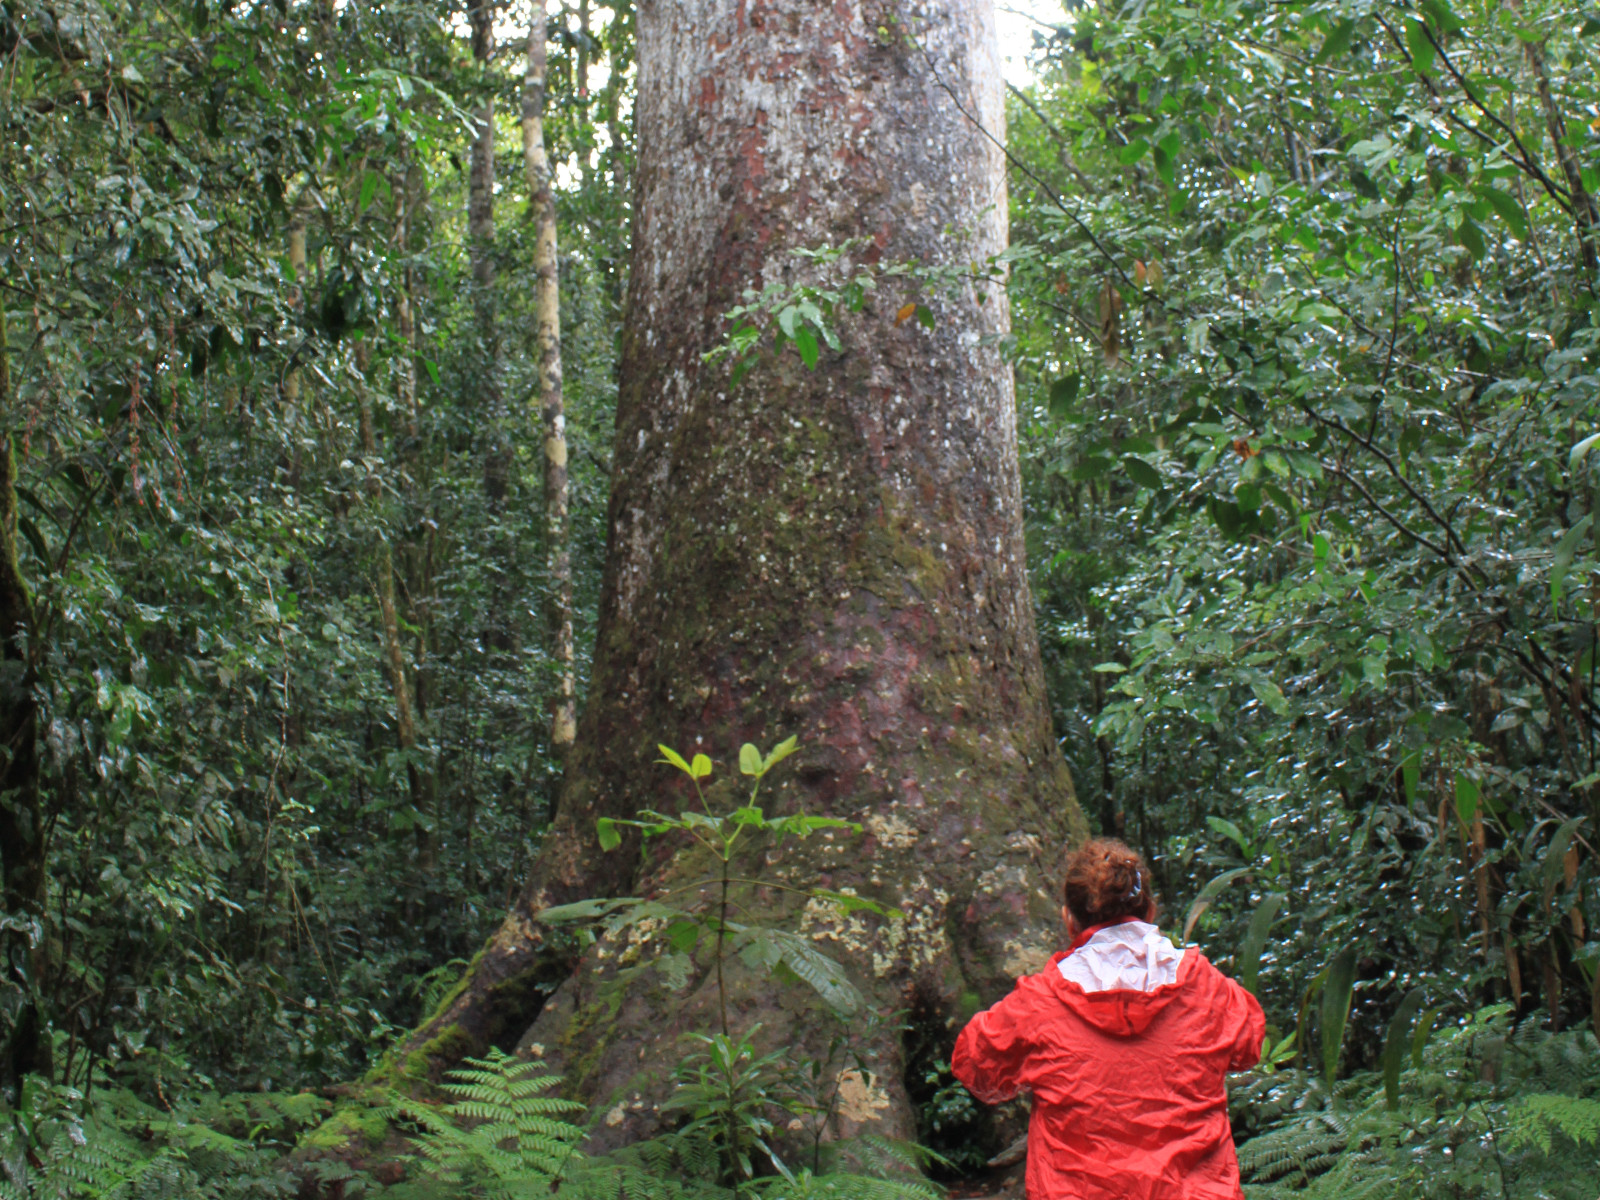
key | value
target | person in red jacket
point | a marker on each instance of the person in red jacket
(1124, 1041)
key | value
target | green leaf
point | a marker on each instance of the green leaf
(1580, 452)
(370, 182)
(1556, 852)
(1227, 516)
(1566, 551)
(1506, 206)
(34, 538)
(1165, 154)
(581, 910)
(1255, 940)
(1231, 831)
(780, 752)
(924, 316)
(1142, 472)
(849, 903)
(1271, 695)
(1091, 467)
(1133, 152)
(1420, 1036)
(806, 343)
(700, 767)
(1337, 42)
(1394, 1047)
(1417, 41)
(1411, 775)
(1337, 994)
(673, 758)
(826, 977)
(606, 829)
(1467, 795)
(749, 760)
(1065, 390)
(1471, 237)
(684, 935)
(1207, 894)
(1442, 16)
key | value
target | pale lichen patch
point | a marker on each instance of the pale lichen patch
(891, 830)
(861, 1097)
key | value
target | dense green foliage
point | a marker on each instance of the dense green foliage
(249, 876)
(1308, 352)
(1309, 341)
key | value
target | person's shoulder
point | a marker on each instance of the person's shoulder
(1202, 975)
(1198, 972)
(1043, 981)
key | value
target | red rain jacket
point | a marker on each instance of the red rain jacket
(1129, 1100)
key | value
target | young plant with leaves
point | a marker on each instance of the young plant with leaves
(773, 950)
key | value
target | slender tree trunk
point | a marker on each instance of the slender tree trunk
(480, 236)
(616, 60)
(23, 821)
(563, 709)
(1585, 213)
(292, 414)
(834, 554)
(405, 319)
(405, 724)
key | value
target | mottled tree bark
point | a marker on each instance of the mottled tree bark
(835, 554)
(558, 557)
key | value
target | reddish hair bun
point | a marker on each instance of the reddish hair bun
(1106, 881)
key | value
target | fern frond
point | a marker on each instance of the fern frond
(1533, 1120)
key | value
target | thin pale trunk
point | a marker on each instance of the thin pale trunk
(480, 236)
(406, 360)
(563, 714)
(580, 85)
(613, 104)
(297, 301)
(23, 821)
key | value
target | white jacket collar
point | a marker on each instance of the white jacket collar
(1133, 956)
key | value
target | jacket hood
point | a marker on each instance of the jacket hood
(1122, 978)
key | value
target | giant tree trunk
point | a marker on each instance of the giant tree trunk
(835, 554)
